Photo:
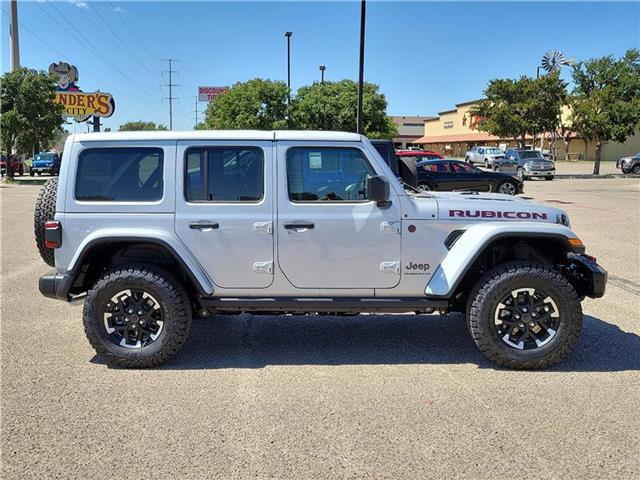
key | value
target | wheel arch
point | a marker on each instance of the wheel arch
(103, 252)
(484, 246)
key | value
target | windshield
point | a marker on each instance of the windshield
(45, 156)
(495, 151)
(530, 154)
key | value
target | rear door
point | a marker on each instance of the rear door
(224, 209)
(469, 177)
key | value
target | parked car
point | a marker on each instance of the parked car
(17, 165)
(458, 175)
(419, 154)
(45, 162)
(484, 155)
(149, 229)
(629, 164)
(546, 154)
(403, 168)
(530, 163)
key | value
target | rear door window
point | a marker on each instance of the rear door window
(224, 174)
(131, 174)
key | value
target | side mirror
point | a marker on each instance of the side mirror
(378, 190)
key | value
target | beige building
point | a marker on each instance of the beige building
(453, 132)
(409, 129)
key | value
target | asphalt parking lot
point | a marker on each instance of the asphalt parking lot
(322, 397)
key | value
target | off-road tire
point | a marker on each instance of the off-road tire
(548, 178)
(497, 283)
(408, 170)
(44, 211)
(636, 169)
(173, 300)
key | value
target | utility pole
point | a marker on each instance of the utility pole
(13, 33)
(171, 98)
(288, 35)
(322, 69)
(363, 16)
(196, 124)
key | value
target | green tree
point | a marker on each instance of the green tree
(140, 126)
(31, 120)
(333, 106)
(517, 108)
(254, 104)
(606, 100)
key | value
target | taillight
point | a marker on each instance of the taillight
(52, 234)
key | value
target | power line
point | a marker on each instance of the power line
(171, 98)
(131, 30)
(85, 42)
(64, 57)
(117, 37)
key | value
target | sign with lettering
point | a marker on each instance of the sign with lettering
(208, 94)
(77, 103)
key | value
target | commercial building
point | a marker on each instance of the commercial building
(454, 131)
(409, 129)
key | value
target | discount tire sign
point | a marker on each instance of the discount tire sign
(208, 94)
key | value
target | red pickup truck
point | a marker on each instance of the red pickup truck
(16, 165)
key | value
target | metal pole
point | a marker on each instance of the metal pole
(96, 124)
(533, 147)
(363, 15)
(288, 35)
(13, 33)
(170, 97)
(322, 69)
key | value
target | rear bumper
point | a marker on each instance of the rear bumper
(55, 285)
(588, 277)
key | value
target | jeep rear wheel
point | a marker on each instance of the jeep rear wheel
(44, 211)
(136, 317)
(523, 315)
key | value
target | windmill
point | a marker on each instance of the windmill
(553, 60)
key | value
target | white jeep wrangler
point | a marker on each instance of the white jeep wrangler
(149, 227)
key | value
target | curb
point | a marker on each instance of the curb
(590, 176)
(28, 181)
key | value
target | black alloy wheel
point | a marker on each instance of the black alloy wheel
(133, 319)
(526, 319)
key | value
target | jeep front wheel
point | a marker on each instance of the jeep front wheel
(524, 315)
(136, 317)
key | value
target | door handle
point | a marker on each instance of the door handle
(299, 226)
(204, 226)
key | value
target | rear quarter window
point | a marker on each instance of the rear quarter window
(132, 174)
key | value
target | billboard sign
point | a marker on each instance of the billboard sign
(78, 104)
(208, 94)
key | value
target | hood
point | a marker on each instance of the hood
(466, 206)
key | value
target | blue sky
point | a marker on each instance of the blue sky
(426, 56)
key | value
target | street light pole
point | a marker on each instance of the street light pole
(13, 32)
(322, 69)
(363, 15)
(288, 35)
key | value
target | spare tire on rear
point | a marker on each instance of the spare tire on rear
(45, 211)
(408, 170)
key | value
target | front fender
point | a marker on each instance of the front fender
(470, 245)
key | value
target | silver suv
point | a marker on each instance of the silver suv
(150, 228)
(484, 155)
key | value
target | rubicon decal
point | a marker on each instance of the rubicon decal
(498, 214)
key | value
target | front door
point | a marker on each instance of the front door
(224, 210)
(329, 235)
